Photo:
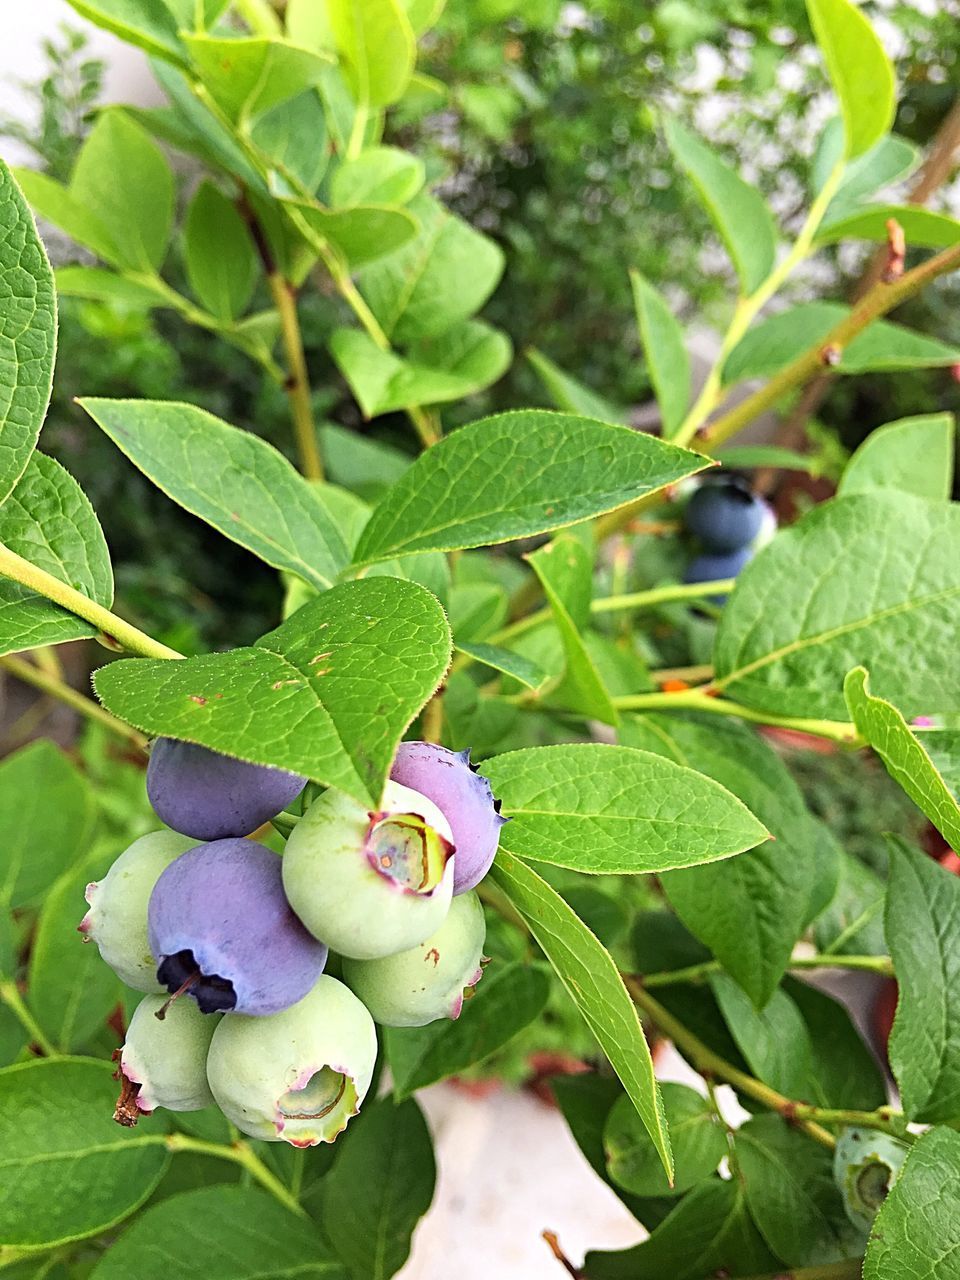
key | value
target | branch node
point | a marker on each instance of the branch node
(830, 354)
(896, 252)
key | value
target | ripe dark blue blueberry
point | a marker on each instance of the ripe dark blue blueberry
(713, 568)
(223, 931)
(465, 799)
(725, 514)
(210, 796)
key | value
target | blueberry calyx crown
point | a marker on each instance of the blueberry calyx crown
(407, 851)
(180, 973)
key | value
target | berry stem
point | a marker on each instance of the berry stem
(700, 700)
(45, 584)
(240, 1154)
(11, 997)
(697, 973)
(54, 687)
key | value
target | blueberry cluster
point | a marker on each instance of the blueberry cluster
(730, 523)
(230, 942)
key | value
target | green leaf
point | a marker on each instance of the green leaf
(859, 69)
(364, 465)
(571, 395)
(75, 1177)
(751, 911)
(292, 137)
(375, 40)
(581, 688)
(923, 935)
(235, 481)
(904, 755)
(507, 1000)
(46, 816)
(698, 1139)
(137, 213)
(852, 924)
(248, 75)
(865, 580)
(844, 1072)
(149, 24)
(515, 475)
(890, 160)
(709, 1232)
(102, 285)
(469, 357)
(737, 210)
(921, 227)
(773, 1040)
(606, 809)
(913, 455)
(511, 664)
(379, 175)
(361, 234)
(792, 1194)
(444, 275)
(665, 348)
(221, 1233)
(882, 346)
(49, 521)
(28, 334)
(594, 984)
(53, 201)
(220, 258)
(380, 1186)
(71, 992)
(328, 694)
(917, 1231)
(767, 455)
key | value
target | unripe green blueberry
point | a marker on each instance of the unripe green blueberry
(296, 1076)
(117, 919)
(370, 884)
(163, 1063)
(429, 981)
(866, 1162)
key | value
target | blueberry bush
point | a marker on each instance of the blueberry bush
(513, 756)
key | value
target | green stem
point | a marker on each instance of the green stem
(690, 675)
(358, 130)
(240, 1154)
(297, 385)
(11, 997)
(663, 595)
(59, 689)
(125, 634)
(709, 1063)
(699, 700)
(885, 1119)
(697, 973)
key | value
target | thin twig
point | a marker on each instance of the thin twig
(65, 693)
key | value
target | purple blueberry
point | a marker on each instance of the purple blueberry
(725, 514)
(224, 933)
(465, 799)
(712, 568)
(209, 796)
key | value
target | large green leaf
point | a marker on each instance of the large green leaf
(442, 276)
(865, 580)
(904, 754)
(375, 40)
(247, 76)
(773, 1040)
(515, 475)
(593, 981)
(379, 1188)
(665, 350)
(221, 1233)
(220, 259)
(149, 24)
(570, 395)
(772, 343)
(861, 72)
(923, 934)
(361, 234)
(465, 359)
(28, 333)
(792, 1194)
(912, 455)
(709, 1233)
(601, 808)
(917, 1231)
(292, 138)
(235, 481)
(921, 227)
(843, 1071)
(67, 1169)
(49, 521)
(738, 211)
(507, 1000)
(328, 694)
(751, 911)
(46, 816)
(379, 175)
(698, 1139)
